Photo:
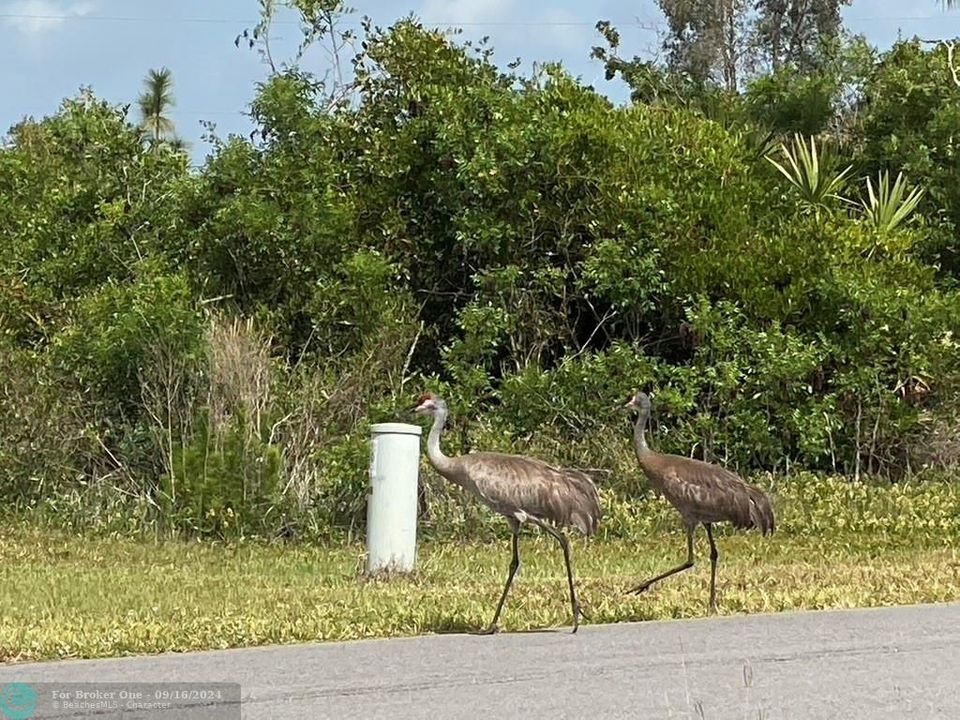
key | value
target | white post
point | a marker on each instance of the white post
(392, 505)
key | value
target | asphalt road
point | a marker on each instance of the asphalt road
(882, 663)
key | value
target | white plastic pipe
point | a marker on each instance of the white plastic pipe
(392, 504)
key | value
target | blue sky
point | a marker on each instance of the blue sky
(53, 47)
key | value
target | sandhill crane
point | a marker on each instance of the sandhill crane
(519, 488)
(702, 493)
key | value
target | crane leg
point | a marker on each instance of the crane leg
(514, 565)
(565, 546)
(679, 568)
(714, 556)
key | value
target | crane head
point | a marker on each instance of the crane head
(428, 404)
(638, 401)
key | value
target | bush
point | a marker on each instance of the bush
(107, 340)
(215, 344)
(223, 484)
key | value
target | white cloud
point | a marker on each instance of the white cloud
(36, 17)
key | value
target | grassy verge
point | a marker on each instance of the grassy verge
(68, 596)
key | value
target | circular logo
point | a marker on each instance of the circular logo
(18, 701)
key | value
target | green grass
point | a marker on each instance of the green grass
(72, 596)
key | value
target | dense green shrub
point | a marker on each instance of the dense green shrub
(215, 344)
(109, 334)
(910, 110)
(224, 484)
(82, 204)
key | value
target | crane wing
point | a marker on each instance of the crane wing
(710, 493)
(518, 486)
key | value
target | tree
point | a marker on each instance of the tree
(794, 32)
(723, 41)
(155, 103)
(706, 39)
(908, 121)
(320, 26)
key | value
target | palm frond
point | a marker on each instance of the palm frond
(811, 172)
(886, 207)
(155, 102)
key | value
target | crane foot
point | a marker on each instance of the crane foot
(491, 630)
(578, 613)
(638, 589)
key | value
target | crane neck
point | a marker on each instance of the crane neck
(639, 434)
(441, 462)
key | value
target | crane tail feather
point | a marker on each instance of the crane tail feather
(585, 510)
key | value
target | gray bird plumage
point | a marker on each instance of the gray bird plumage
(522, 489)
(702, 493)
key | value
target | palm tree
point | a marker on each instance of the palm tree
(155, 102)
